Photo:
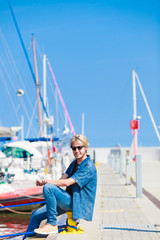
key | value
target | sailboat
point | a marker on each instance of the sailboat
(22, 162)
(30, 157)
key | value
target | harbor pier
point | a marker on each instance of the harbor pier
(118, 214)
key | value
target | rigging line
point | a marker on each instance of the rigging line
(31, 120)
(63, 104)
(4, 67)
(21, 100)
(52, 88)
(148, 108)
(2, 77)
(57, 109)
(51, 85)
(7, 59)
(41, 57)
(16, 69)
(39, 52)
(26, 55)
(62, 113)
(57, 116)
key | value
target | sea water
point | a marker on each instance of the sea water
(12, 223)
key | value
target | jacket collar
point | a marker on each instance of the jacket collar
(85, 161)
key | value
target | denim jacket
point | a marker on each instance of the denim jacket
(84, 190)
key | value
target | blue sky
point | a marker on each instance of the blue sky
(92, 47)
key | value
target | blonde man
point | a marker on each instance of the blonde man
(80, 180)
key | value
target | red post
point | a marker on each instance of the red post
(134, 125)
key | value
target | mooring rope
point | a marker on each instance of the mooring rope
(15, 234)
(15, 211)
(31, 196)
(23, 204)
(19, 212)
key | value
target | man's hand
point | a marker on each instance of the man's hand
(64, 181)
(41, 182)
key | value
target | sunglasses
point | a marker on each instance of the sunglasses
(79, 148)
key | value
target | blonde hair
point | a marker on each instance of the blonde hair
(79, 137)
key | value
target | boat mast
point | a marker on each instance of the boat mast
(135, 123)
(57, 119)
(148, 108)
(135, 139)
(44, 94)
(134, 95)
(37, 86)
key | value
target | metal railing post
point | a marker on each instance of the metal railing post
(138, 177)
(120, 166)
(115, 162)
(112, 161)
(128, 177)
(94, 156)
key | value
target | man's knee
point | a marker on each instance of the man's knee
(34, 214)
(48, 187)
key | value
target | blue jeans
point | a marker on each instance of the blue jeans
(58, 201)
